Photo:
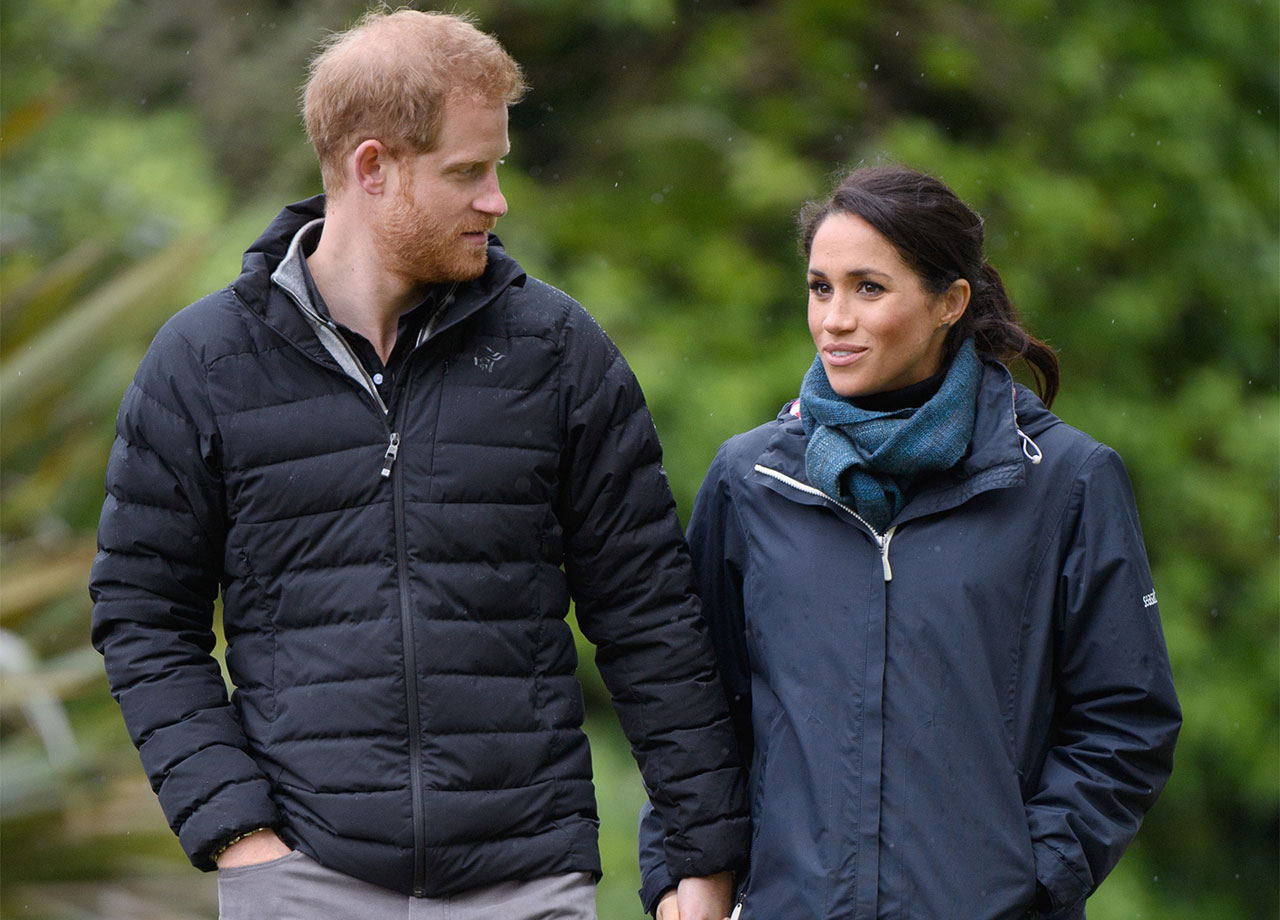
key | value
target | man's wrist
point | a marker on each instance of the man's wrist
(230, 842)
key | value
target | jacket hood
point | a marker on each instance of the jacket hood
(1033, 418)
(268, 250)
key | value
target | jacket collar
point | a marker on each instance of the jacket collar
(273, 290)
(995, 458)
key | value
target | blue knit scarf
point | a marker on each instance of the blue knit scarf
(869, 459)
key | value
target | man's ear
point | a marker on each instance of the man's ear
(371, 165)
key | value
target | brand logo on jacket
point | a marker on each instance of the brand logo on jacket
(488, 358)
(1149, 600)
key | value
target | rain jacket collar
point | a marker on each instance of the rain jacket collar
(1008, 420)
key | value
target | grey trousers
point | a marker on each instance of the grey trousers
(296, 887)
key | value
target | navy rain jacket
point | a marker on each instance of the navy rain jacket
(938, 716)
(395, 586)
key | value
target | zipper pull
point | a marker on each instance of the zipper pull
(393, 448)
(737, 908)
(884, 552)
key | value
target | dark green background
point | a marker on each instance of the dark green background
(1125, 155)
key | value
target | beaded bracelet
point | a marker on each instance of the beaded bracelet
(236, 839)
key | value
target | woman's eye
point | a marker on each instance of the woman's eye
(869, 287)
(819, 287)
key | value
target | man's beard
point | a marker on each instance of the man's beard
(424, 250)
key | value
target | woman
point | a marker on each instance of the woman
(930, 599)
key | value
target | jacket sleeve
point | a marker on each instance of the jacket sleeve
(717, 547)
(629, 574)
(1117, 716)
(153, 584)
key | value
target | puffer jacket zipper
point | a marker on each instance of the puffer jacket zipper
(882, 540)
(354, 369)
(410, 677)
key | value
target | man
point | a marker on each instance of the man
(398, 457)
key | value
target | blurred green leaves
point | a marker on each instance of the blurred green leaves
(1126, 158)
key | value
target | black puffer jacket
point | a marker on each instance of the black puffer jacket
(395, 588)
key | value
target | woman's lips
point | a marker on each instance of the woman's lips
(843, 355)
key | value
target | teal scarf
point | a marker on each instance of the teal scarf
(869, 459)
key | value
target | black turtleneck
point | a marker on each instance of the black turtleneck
(912, 396)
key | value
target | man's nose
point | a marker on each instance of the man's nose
(491, 199)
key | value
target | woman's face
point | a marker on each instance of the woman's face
(875, 325)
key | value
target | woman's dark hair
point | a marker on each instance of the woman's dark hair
(941, 238)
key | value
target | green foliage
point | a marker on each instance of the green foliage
(1126, 157)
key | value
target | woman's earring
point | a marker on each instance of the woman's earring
(945, 326)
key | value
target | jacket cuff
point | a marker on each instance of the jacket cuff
(234, 810)
(653, 885)
(1055, 875)
(722, 847)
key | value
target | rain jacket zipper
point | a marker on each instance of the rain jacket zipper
(882, 540)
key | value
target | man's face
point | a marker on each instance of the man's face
(435, 224)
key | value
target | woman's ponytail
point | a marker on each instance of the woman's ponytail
(993, 323)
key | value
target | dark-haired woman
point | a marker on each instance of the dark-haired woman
(930, 599)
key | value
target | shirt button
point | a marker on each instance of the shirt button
(377, 379)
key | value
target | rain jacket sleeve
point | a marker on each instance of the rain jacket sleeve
(629, 574)
(717, 546)
(1117, 716)
(153, 583)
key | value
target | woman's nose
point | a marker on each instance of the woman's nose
(840, 318)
